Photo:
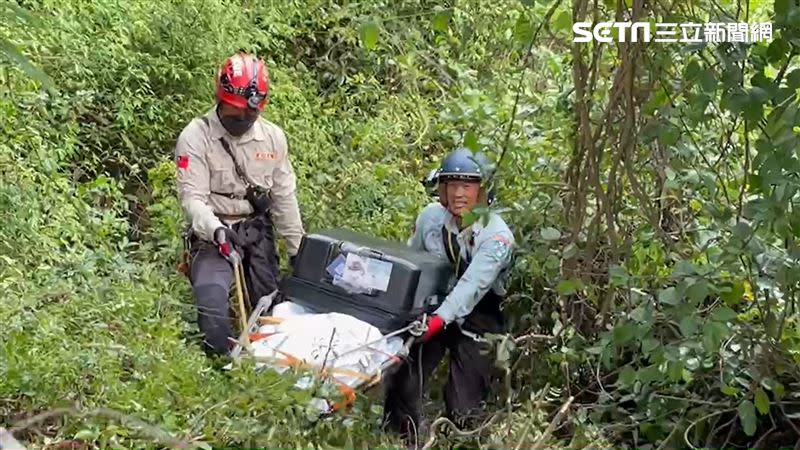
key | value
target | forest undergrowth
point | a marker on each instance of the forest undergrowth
(650, 187)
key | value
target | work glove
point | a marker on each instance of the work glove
(225, 239)
(435, 325)
(259, 200)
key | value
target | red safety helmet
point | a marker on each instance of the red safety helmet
(243, 82)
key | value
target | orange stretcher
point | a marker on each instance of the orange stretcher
(349, 382)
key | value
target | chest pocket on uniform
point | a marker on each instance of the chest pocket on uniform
(261, 160)
(222, 180)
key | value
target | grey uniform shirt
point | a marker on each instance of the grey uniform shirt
(205, 168)
(488, 247)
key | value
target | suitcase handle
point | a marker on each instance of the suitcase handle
(348, 247)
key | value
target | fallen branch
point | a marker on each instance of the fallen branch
(524, 435)
(533, 337)
(692, 425)
(668, 438)
(456, 430)
(554, 423)
(150, 431)
(539, 399)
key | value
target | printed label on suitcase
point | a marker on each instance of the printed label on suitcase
(336, 268)
(366, 273)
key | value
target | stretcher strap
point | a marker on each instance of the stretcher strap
(270, 320)
(292, 361)
(349, 396)
(259, 336)
(348, 392)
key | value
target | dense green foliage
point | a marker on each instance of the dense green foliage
(651, 189)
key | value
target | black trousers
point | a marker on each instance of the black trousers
(212, 279)
(468, 382)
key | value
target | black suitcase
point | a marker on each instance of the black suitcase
(417, 282)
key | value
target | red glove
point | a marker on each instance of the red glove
(435, 325)
(225, 239)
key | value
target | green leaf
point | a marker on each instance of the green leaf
(623, 334)
(523, 30)
(729, 390)
(674, 370)
(771, 323)
(648, 345)
(441, 20)
(713, 334)
(369, 34)
(777, 50)
(779, 391)
(649, 374)
(733, 293)
(742, 231)
(85, 435)
(567, 287)
(563, 22)
(657, 100)
(793, 79)
(684, 268)
(504, 351)
(762, 401)
(708, 81)
(758, 95)
(688, 325)
(471, 141)
(552, 262)
(747, 416)
(617, 275)
(754, 111)
(469, 218)
(627, 376)
(692, 70)
(8, 50)
(670, 135)
(15, 12)
(782, 7)
(570, 250)
(723, 314)
(698, 291)
(668, 296)
(550, 234)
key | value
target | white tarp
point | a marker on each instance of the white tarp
(333, 340)
(7, 441)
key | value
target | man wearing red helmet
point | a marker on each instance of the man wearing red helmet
(235, 180)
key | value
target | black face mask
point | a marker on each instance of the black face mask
(237, 126)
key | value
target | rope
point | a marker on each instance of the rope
(370, 344)
(277, 320)
(293, 361)
(237, 268)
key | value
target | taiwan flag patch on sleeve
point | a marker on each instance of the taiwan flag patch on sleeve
(183, 161)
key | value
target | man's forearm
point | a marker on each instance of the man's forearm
(288, 223)
(204, 222)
